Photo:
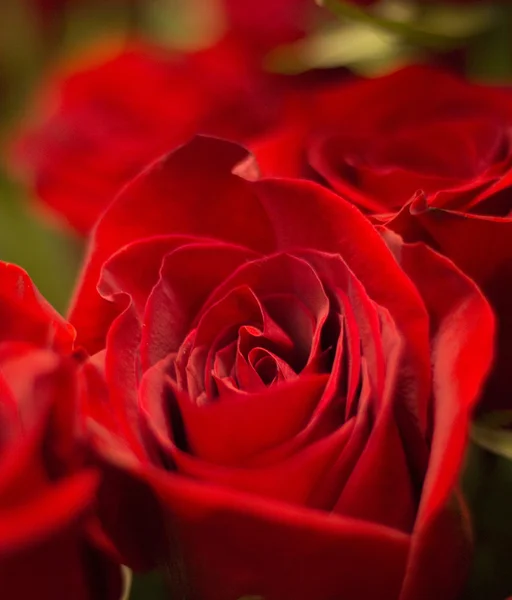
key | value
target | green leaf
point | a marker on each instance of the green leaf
(492, 432)
(354, 45)
(390, 35)
(438, 27)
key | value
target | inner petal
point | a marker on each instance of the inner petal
(245, 375)
(241, 425)
(271, 337)
(265, 365)
(188, 274)
(300, 324)
(216, 329)
(224, 360)
(238, 317)
(269, 367)
(280, 275)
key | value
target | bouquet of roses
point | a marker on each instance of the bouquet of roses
(284, 373)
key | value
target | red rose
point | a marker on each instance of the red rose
(295, 394)
(97, 124)
(44, 503)
(378, 154)
(434, 167)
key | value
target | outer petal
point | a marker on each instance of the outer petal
(462, 353)
(60, 566)
(203, 198)
(481, 247)
(279, 542)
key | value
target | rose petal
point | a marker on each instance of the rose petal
(379, 488)
(198, 170)
(27, 316)
(463, 328)
(455, 235)
(304, 537)
(294, 480)
(187, 276)
(57, 507)
(234, 428)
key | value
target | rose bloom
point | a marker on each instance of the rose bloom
(45, 502)
(294, 392)
(266, 24)
(98, 122)
(431, 166)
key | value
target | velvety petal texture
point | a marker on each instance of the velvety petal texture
(292, 389)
